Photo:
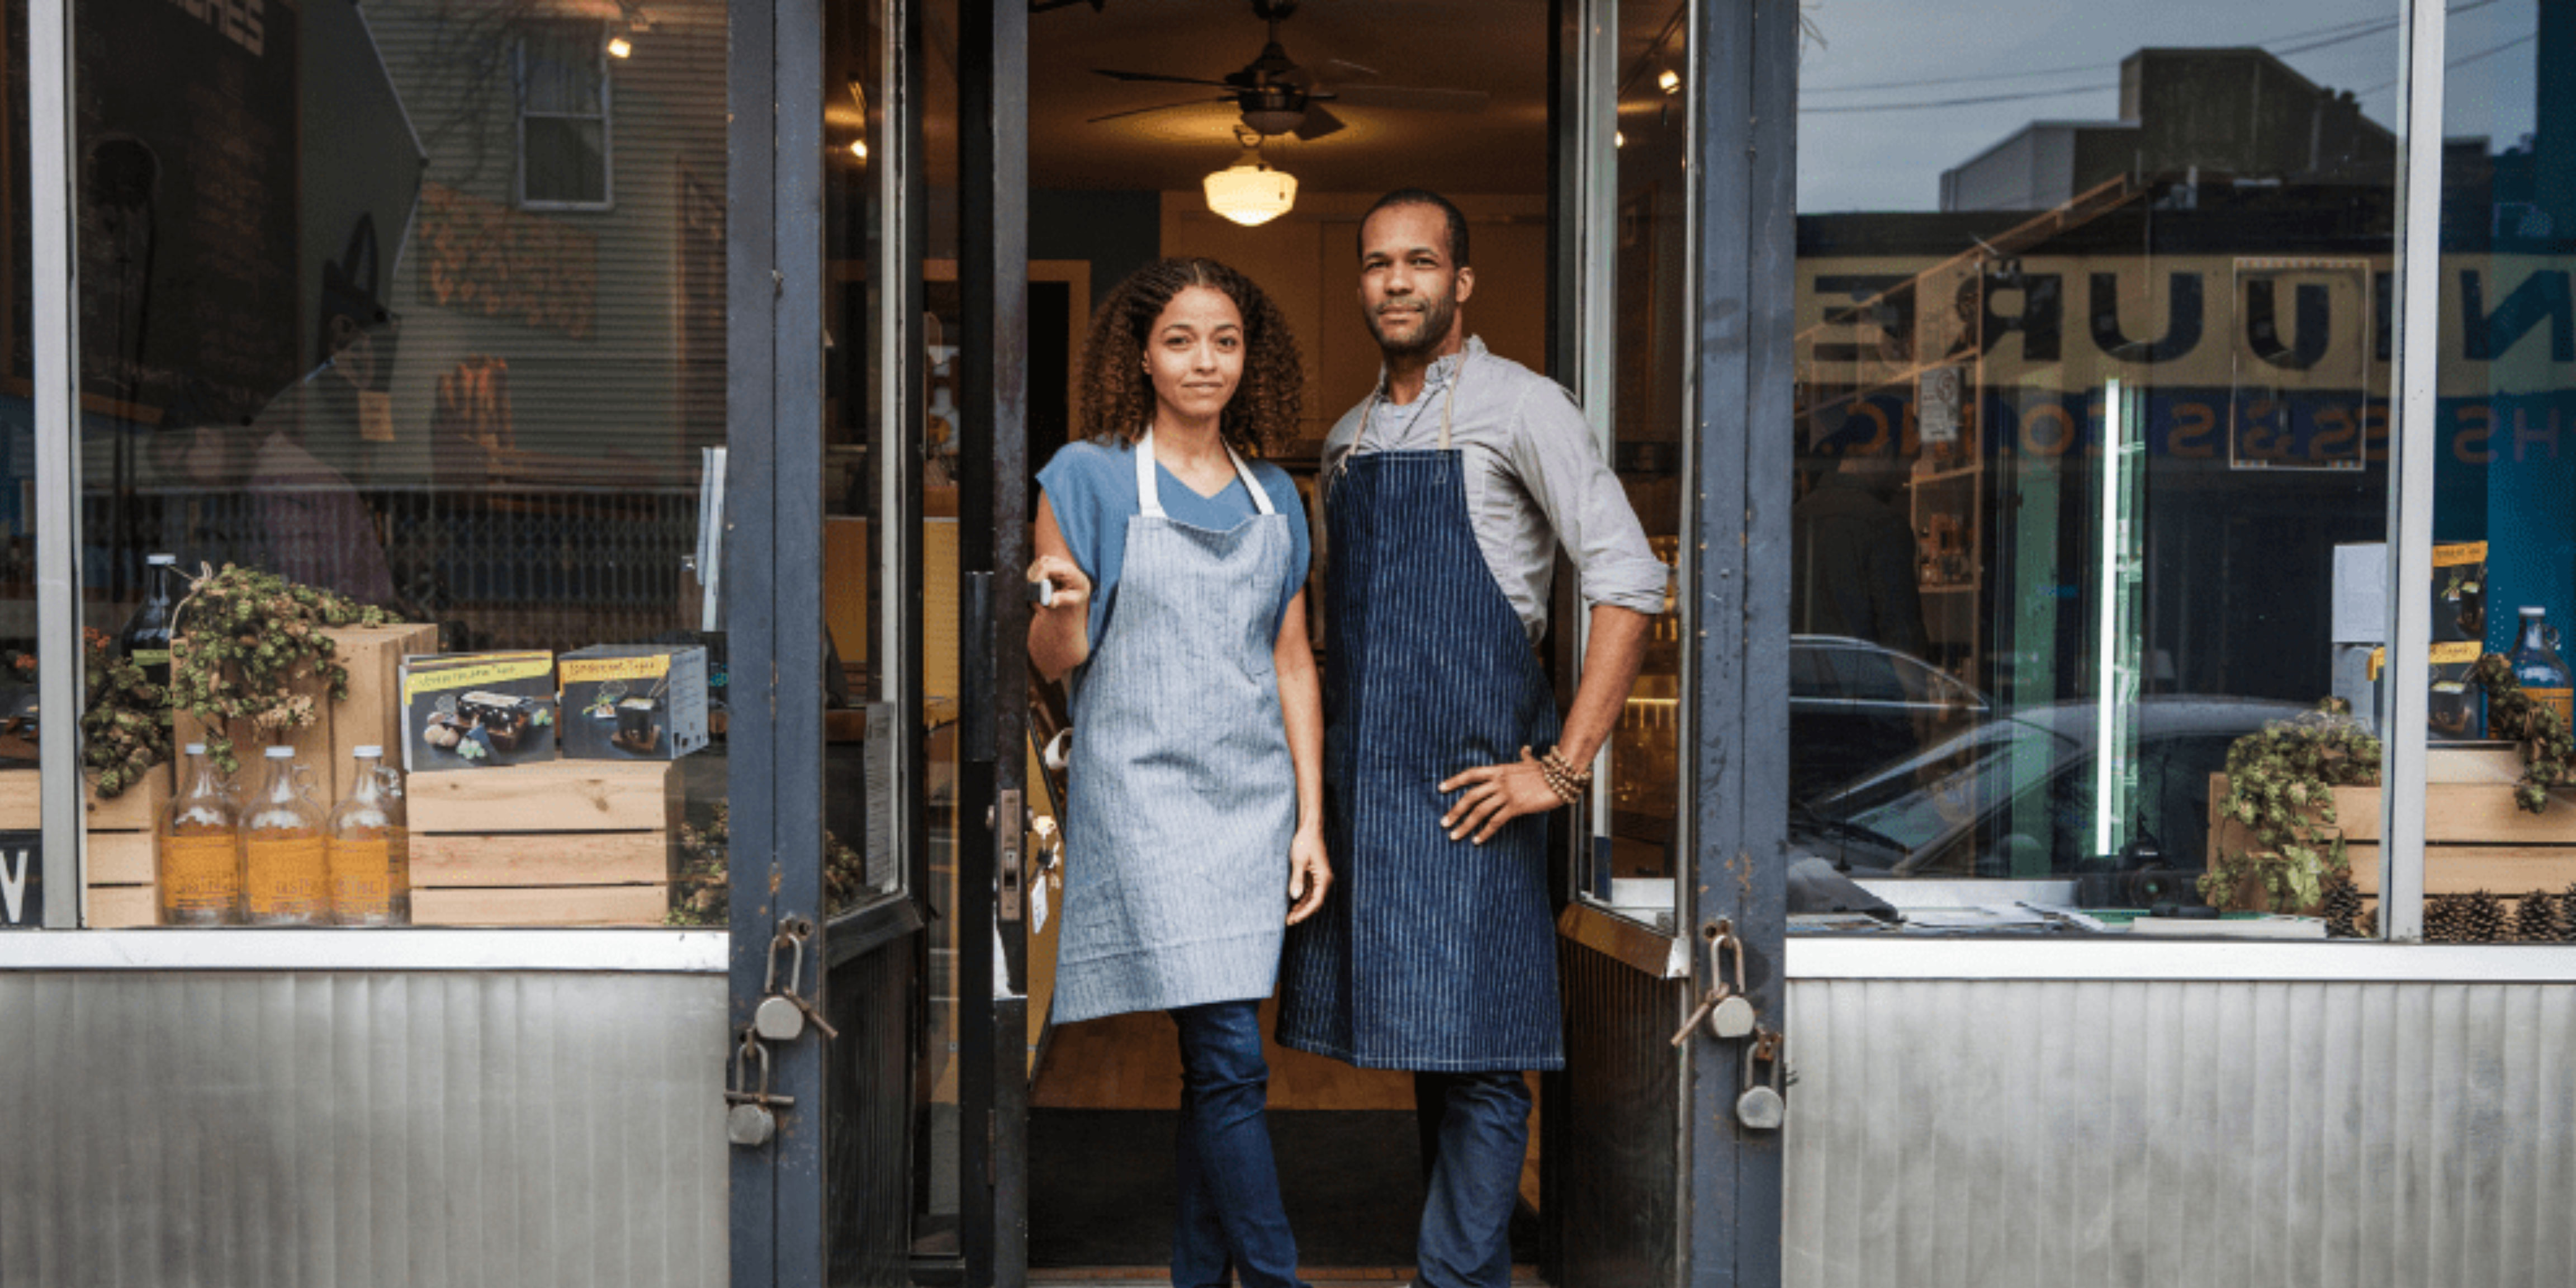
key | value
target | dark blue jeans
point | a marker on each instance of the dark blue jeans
(1231, 1219)
(1475, 1133)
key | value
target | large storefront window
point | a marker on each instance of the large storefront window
(2093, 348)
(2496, 869)
(20, 811)
(378, 347)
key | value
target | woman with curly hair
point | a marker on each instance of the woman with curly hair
(1194, 827)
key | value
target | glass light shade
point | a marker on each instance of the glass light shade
(1250, 193)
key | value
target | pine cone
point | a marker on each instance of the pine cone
(2341, 908)
(2442, 919)
(2535, 919)
(2567, 916)
(2482, 920)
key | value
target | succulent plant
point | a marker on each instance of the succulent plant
(2280, 790)
(2548, 750)
(701, 897)
(243, 639)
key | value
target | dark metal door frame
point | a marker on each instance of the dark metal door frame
(992, 637)
(774, 597)
(1745, 222)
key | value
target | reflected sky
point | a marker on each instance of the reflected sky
(1893, 92)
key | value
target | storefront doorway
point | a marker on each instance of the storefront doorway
(1013, 167)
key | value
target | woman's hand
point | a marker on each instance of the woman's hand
(1060, 633)
(1495, 795)
(1310, 874)
(1072, 589)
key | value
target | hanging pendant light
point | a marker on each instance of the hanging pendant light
(1249, 192)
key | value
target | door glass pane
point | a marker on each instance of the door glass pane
(1649, 391)
(941, 334)
(323, 340)
(2091, 438)
(2505, 463)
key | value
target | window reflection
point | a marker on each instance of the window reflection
(2093, 373)
(2504, 513)
(364, 305)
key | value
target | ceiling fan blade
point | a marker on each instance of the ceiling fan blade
(1407, 96)
(1159, 107)
(1318, 123)
(1345, 68)
(1156, 78)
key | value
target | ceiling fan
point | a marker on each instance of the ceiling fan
(1276, 96)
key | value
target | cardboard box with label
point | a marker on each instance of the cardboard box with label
(477, 710)
(634, 701)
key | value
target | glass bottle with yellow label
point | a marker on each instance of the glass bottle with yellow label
(196, 851)
(285, 871)
(369, 848)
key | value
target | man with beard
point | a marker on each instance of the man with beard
(1447, 495)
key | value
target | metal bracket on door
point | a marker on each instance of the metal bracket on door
(1010, 823)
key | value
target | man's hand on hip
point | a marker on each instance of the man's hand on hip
(1495, 795)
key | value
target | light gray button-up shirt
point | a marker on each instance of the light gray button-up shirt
(1534, 478)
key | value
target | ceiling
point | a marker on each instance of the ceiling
(1498, 47)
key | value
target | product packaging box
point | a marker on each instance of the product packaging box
(2456, 711)
(477, 710)
(634, 701)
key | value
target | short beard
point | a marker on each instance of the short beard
(1437, 319)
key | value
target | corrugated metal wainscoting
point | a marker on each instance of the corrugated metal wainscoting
(1619, 1183)
(2044, 1134)
(331, 1129)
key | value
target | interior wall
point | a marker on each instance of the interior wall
(1308, 260)
(1116, 232)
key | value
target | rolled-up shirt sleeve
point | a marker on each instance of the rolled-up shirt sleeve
(1559, 463)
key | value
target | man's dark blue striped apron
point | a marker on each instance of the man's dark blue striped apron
(1430, 954)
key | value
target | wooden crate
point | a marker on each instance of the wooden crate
(372, 713)
(119, 876)
(559, 843)
(2475, 837)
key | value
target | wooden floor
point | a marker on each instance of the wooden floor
(1161, 1276)
(1133, 1062)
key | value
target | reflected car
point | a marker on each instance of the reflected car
(1855, 705)
(2014, 796)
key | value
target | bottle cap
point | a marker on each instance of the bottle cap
(195, 749)
(280, 753)
(149, 560)
(369, 752)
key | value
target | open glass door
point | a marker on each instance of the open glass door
(991, 826)
(822, 535)
(1674, 124)
(1626, 334)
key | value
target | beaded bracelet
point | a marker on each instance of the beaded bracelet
(1564, 779)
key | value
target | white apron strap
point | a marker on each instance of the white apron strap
(1149, 498)
(1260, 494)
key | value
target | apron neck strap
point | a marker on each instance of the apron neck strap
(1448, 408)
(1149, 496)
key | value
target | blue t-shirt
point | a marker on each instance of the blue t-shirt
(1092, 485)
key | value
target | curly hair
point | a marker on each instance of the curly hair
(1117, 395)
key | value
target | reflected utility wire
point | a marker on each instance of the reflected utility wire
(2466, 59)
(2315, 38)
